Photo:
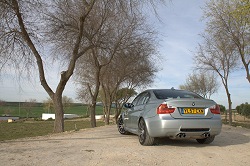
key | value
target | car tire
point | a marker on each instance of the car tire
(207, 140)
(144, 137)
(120, 126)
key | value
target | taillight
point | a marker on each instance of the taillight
(164, 109)
(215, 109)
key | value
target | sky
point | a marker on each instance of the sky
(179, 31)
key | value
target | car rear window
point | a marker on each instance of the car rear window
(166, 94)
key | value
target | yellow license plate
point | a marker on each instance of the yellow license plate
(193, 111)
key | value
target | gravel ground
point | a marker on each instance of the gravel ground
(105, 146)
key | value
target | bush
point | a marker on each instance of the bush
(244, 109)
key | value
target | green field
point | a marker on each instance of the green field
(16, 109)
(31, 125)
(23, 129)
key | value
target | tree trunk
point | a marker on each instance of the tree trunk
(107, 116)
(229, 106)
(104, 109)
(248, 77)
(244, 61)
(92, 115)
(226, 115)
(107, 113)
(94, 95)
(59, 114)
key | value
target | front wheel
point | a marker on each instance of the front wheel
(207, 140)
(144, 137)
(120, 126)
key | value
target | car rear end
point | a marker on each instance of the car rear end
(196, 118)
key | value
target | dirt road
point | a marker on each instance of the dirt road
(105, 146)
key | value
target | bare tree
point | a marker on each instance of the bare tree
(232, 18)
(21, 33)
(123, 30)
(202, 83)
(131, 68)
(218, 54)
(107, 42)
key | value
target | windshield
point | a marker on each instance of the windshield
(169, 93)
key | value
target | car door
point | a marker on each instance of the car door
(138, 109)
(129, 113)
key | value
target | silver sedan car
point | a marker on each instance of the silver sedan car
(177, 114)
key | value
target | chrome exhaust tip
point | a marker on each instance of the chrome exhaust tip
(206, 135)
(181, 135)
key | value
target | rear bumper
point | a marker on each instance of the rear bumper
(193, 128)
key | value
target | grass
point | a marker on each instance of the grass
(16, 109)
(244, 124)
(23, 129)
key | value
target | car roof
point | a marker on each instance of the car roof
(172, 91)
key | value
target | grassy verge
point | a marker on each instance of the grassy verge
(23, 129)
(242, 124)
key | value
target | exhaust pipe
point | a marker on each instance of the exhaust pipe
(181, 135)
(206, 135)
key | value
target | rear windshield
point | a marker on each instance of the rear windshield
(166, 94)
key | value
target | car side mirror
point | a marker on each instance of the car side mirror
(128, 105)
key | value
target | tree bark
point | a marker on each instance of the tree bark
(117, 111)
(107, 116)
(59, 114)
(229, 102)
(226, 115)
(94, 98)
(230, 108)
(248, 75)
(244, 60)
(92, 115)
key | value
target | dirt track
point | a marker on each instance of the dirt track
(105, 146)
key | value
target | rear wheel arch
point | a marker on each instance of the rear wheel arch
(143, 135)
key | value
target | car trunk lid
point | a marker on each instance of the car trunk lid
(191, 108)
